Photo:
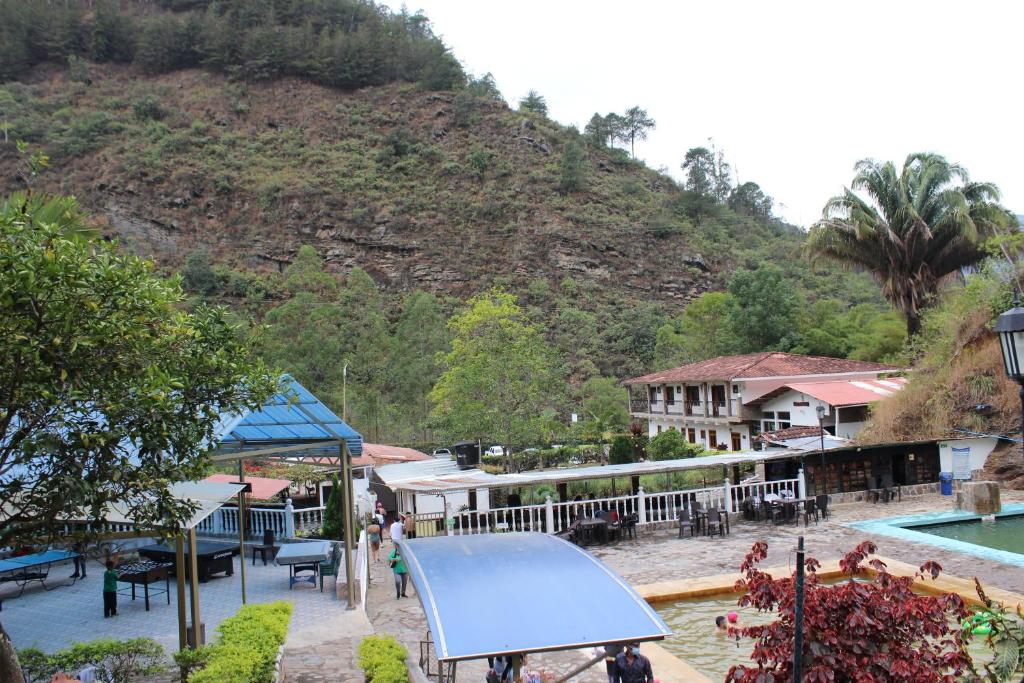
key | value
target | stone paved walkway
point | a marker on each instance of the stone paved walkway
(655, 555)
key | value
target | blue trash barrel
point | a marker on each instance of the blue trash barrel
(946, 483)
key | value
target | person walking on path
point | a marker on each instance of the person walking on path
(633, 667)
(109, 591)
(397, 565)
(80, 548)
(373, 535)
(410, 525)
(397, 529)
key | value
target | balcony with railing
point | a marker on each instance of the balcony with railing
(639, 404)
(717, 409)
(694, 408)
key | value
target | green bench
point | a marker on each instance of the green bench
(330, 567)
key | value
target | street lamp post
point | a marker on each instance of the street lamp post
(820, 410)
(344, 393)
(1010, 327)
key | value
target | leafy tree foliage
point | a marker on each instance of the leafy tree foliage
(762, 310)
(342, 43)
(333, 527)
(621, 451)
(110, 390)
(605, 399)
(672, 445)
(534, 102)
(914, 228)
(420, 340)
(700, 333)
(498, 375)
(871, 631)
(749, 199)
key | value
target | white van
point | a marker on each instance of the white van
(495, 450)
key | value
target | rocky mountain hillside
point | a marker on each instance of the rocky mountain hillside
(422, 189)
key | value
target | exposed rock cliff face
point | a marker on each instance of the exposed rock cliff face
(417, 188)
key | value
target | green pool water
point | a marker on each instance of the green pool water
(695, 639)
(1004, 533)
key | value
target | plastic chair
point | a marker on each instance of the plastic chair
(267, 546)
(685, 522)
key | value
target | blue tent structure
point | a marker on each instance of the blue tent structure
(558, 596)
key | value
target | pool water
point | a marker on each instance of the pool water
(1004, 533)
(696, 640)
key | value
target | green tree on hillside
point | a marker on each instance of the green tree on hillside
(573, 169)
(762, 310)
(605, 399)
(748, 198)
(636, 125)
(534, 102)
(420, 339)
(498, 376)
(912, 229)
(700, 333)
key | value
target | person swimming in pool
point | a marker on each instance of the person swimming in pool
(720, 625)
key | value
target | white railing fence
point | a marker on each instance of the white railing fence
(284, 522)
(649, 508)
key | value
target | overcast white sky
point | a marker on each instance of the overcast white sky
(794, 92)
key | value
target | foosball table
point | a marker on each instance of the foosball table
(144, 573)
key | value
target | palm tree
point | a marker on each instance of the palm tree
(914, 228)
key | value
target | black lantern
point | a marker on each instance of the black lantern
(1010, 327)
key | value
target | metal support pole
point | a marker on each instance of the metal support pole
(179, 575)
(241, 527)
(798, 640)
(347, 522)
(824, 474)
(194, 586)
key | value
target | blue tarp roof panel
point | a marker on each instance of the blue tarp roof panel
(494, 594)
(292, 414)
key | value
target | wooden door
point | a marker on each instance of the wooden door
(691, 435)
(735, 441)
(712, 439)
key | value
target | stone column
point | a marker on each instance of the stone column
(641, 506)
(289, 519)
(549, 515)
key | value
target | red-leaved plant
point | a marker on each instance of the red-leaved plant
(877, 630)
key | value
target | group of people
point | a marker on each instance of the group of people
(403, 527)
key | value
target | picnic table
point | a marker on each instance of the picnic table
(143, 573)
(301, 557)
(25, 569)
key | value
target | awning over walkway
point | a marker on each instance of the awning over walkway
(207, 496)
(501, 594)
(441, 476)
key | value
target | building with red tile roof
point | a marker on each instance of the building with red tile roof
(723, 402)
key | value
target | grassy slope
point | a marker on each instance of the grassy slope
(381, 178)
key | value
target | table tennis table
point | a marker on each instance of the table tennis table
(25, 569)
(305, 556)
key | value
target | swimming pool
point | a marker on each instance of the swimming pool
(962, 532)
(696, 641)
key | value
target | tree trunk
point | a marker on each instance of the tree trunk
(10, 669)
(913, 324)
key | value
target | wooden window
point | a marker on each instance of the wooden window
(659, 429)
(691, 435)
(735, 441)
(712, 438)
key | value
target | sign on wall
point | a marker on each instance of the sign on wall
(962, 463)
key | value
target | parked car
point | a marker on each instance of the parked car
(495, 450)
(442, 453)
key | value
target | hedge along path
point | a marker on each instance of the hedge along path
(246, 651)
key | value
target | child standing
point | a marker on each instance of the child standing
(109, 591)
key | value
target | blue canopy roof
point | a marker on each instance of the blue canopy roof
(497, 594)
(291, 416)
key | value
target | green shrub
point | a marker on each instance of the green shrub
(383, 660)
(671, 444)
(119, 661)
(247, 647)
(148, 109)
(622, 450)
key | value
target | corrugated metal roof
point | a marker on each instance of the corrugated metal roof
(850, 392)
(565, 597)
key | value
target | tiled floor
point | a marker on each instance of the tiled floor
(54, 619)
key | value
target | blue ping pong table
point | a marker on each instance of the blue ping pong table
(25, 569)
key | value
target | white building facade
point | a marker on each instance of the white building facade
(724, 402)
